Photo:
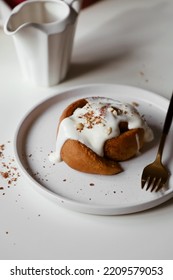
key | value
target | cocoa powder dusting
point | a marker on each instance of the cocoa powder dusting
(9, 173)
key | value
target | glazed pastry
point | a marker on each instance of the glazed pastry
(95, 134)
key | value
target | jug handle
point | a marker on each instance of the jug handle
(75, 4)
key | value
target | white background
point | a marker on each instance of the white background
(120, 42)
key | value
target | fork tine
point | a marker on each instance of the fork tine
(143, 182)
(160, 186)
(155, 184)
(149, 182)
(144, 178)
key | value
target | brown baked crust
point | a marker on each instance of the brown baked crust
(79, 157)
(83, 159)
(125, 146)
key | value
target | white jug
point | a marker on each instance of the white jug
(43, 33)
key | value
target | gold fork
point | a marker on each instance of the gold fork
(155, 175)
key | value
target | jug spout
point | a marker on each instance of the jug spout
(47, 15)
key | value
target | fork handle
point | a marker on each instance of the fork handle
(166, 127)
(169, 116)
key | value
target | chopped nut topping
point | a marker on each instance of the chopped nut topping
(109, 130)
(135, 104)
(110, 109)
(5, 174)
(118, 111)
(115, 113)
(2, 147)
(79, 126)
(90, 119)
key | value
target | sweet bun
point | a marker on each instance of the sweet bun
(95, 134)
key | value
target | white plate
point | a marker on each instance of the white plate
(87, 193)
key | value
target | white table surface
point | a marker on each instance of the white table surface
(117, 42)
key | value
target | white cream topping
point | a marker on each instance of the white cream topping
(97, 122)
